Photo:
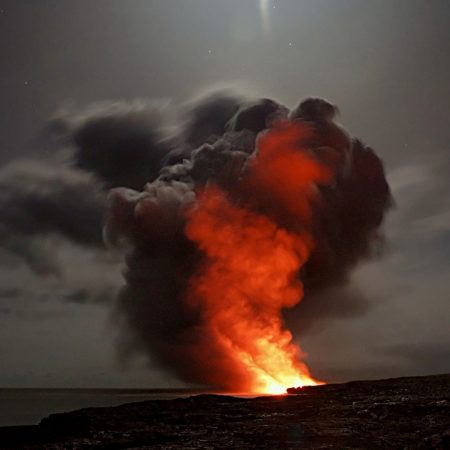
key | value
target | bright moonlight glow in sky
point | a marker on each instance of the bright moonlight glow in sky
(264, 11)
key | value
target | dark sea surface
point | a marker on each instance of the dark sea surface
(29, 406)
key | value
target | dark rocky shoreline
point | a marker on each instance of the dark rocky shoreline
(400, 413)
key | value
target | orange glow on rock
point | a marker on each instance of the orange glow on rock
(251, 264)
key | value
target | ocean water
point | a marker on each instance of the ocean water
(29, 406)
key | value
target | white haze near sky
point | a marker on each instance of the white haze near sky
(384, 63)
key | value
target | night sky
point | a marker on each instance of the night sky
(384, 63)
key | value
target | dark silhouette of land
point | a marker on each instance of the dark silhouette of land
(401, 413)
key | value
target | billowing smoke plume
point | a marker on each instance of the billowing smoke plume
(37, 200)
(245, 186)
(121, 143)
(240, 218)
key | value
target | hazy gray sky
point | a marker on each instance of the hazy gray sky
(385, 64)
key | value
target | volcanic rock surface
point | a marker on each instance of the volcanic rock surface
(402, 413)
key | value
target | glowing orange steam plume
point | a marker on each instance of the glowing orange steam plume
(251, 263)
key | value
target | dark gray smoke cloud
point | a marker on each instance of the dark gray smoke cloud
(40, 199)
(122, 143)
(207, 118)
(161, 157)
(109, 144)
(255, 116)
(160, 259)
(36, 199)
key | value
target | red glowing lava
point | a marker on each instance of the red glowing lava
(251, 264)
